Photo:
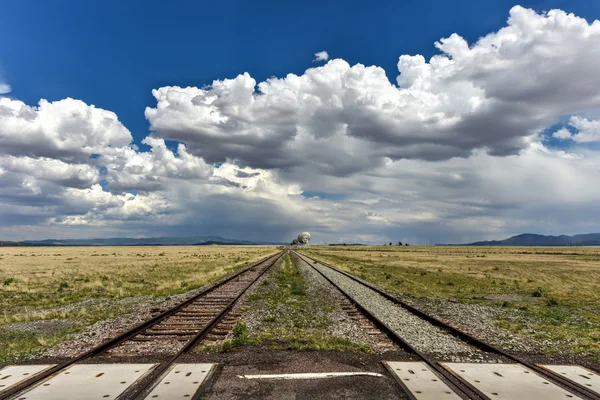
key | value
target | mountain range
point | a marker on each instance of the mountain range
(531, 239)
(525, 239)
(157, 241)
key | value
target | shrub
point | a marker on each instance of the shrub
(227, 345)
(298, 288)
(269, 318)
(552, 302)
(240, 334)
(539, 292)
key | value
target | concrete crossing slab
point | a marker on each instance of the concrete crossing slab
(88, 381)
(508, 382)
(578, 374)
(420, 381)
(14, 374)
(182, 381)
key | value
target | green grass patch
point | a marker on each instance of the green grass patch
(19, 342)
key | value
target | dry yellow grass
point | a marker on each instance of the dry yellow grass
(559, 286)
(86, 284)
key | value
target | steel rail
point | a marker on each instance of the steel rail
(558, 379)
(462, 388)
(127, 335)
(142, 388)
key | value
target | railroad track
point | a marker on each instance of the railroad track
(188, 323)
(462, 388)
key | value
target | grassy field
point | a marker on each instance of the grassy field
(559, 287)
(50, 293)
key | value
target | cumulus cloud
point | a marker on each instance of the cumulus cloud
(495, 95)
(4, 88)
(129, 169)
(52, 170)
(586, 130)
(321, 56)
(68, 130)
(562, 133)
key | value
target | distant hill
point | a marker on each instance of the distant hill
(217, 243)
(5, 243)
(531, 239)
(158, 241)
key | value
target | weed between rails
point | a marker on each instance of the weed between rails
(292, 319)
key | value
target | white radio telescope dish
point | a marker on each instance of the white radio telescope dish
(304, 237)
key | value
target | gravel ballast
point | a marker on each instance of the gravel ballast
(419, 333)
(479, 321)
(342, 325)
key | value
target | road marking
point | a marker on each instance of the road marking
(182, 382)
(508, 381)
(418, 379)
(311, 375)
(14, 374)
(88, 381)
(578, 374)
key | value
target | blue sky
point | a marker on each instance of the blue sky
(383, 168)
(113, 53)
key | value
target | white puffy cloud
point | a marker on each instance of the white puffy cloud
(587, 130)
(4, 88)
(321, 56)
(103, 206)
(129, 169)
(68, 130)
(493, 95)
(52, 170)
(562, 133)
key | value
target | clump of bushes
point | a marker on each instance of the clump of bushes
(552, 302)
(240, 337)
(539, 292)
(240, 334)
(8, 281)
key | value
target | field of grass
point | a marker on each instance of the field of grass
(50, 293)
(558, 287)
